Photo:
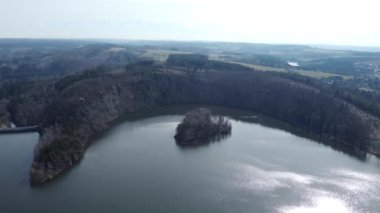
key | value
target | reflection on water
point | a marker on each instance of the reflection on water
(321, 204)
(276, 124)
(206, 142)
(336, 191)
(245, 116)
(137, 167)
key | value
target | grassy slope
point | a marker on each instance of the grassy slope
(162, 55)
(308, 73)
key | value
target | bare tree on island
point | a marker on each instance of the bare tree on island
(200, 127)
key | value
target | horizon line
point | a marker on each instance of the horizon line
(192, 40)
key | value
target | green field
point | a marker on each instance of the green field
(162, 55)
(308, 73)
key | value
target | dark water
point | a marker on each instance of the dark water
(137, 167)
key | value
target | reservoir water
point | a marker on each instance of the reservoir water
(136, 166)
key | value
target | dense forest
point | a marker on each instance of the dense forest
(81, 110)
(74, 102)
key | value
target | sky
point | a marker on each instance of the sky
(335, 22)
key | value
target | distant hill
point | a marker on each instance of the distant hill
(352, 48)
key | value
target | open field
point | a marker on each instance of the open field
(160, 55)
(319, 74)
(308, 73)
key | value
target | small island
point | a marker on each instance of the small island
(200, 126)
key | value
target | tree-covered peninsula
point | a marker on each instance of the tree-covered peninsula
(71, 110)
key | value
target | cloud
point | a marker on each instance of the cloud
(351, 22)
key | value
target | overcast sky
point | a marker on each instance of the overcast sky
(339, 22)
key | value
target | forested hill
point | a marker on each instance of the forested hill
(25, 59)
(73, 109)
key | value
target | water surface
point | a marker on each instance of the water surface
(137, 167)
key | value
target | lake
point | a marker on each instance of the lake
(136, 166)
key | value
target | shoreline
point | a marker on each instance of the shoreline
(19, 129)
